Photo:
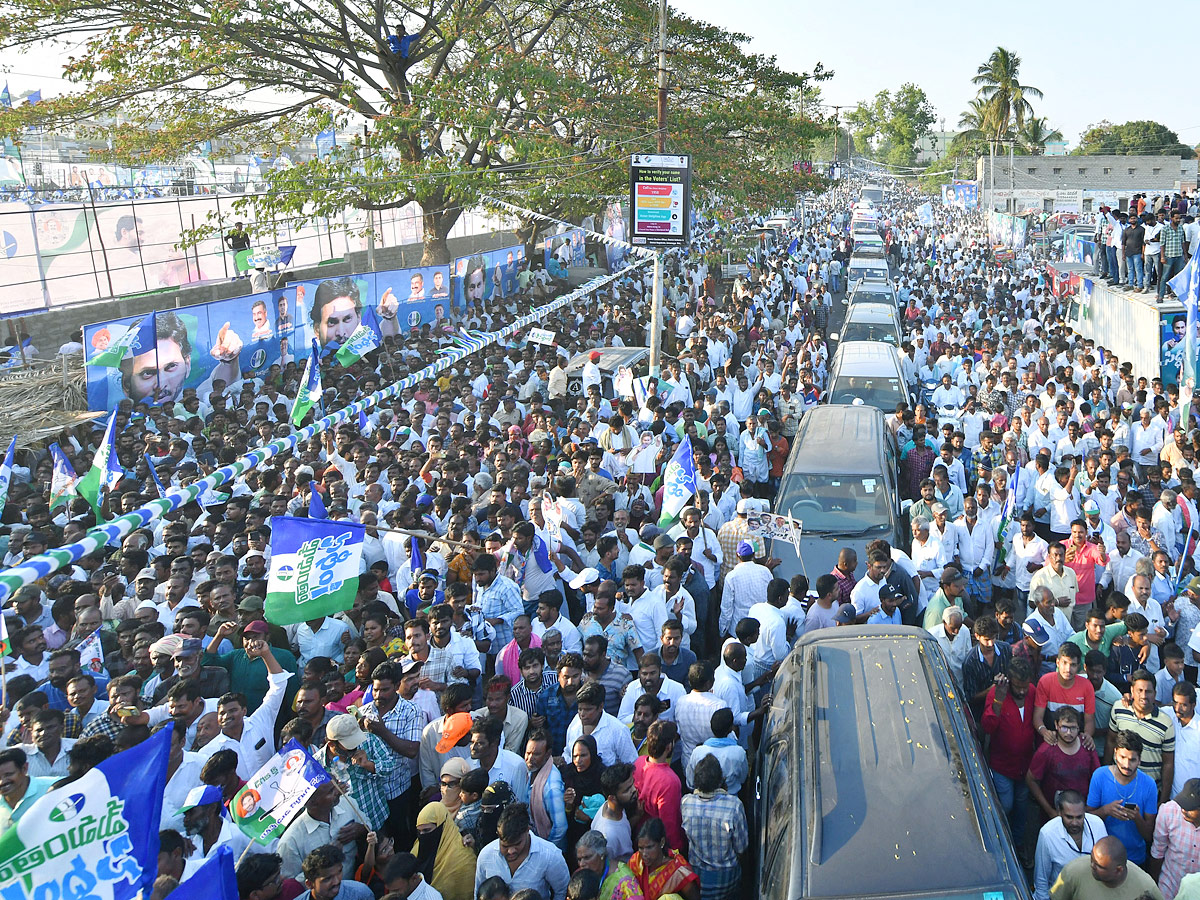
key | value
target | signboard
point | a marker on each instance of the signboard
(541, 336)
(660, 200)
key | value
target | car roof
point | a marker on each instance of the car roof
(871, 311)
(855, 354)
(610, 358)
(845, 439)
(895, 791)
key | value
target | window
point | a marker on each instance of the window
(1032, 170)
(1082, 170)
(1132, 170)
(1107, 170)
(1057, 170)
(1156, 170)
(1087, 205)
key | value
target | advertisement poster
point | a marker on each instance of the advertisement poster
(481, 277)
(573, 237)
(660, 202)
(614, 227)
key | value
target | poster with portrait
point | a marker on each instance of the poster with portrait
(1172, 329)
(482, 276)
(192, 347)
(773, 526)
(423, 294)
(573, 239)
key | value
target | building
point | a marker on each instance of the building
(1079, 184)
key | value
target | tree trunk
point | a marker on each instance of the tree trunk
(437, 225)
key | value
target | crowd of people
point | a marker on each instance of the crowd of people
(552, 697)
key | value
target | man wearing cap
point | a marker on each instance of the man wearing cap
(205, 822)
(733, 533)
(363, 763)
(446, 738)
(888, 612)
(745, 585)
(951, 591)
(249, 675)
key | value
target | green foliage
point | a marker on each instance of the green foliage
(1006, 100)
(890, 125)
(1143, 138)
(540, 103)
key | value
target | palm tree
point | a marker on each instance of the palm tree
(1034, 134)
(999, 85)
(975, 123)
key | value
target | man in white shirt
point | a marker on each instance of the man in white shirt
(1067, 837)
(613, 742)
(954, 639)
(745, 585)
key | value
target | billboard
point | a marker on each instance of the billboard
(574, 237)
(481, 277)
(245, 336)
(660, 200)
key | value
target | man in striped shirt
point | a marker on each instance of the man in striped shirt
(1153, 726)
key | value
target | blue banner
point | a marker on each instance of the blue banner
(325, 141)
(925, 213)
(574, 237)
(965, 194)
(485, 275)
(96, 838)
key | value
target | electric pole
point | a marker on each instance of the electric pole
(656, 303)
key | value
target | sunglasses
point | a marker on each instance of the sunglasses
(450, 782)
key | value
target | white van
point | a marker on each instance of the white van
(866, 268)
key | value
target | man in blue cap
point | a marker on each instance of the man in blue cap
(205, 823)
(745, 585)
(1033, 638)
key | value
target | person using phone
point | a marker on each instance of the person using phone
(1125, 797)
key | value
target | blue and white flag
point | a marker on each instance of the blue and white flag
(925, 213)
(6, 97)
(35, 98)
(91, 655)
(162, 491)
(316, 505)
(6, 472)
(679, 483)
(216, 879)
(63, 480)
(314, 569)
(325, 141)
(793, 247)
(106, 471)
(97, 837)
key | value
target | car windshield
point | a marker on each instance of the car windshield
(868, 294)
(870, 331)
(851, 504)
(879, 392)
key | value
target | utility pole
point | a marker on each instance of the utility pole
(991, 175)
(657, 301)
(1012, 187)
(370, 212)
(836, 110)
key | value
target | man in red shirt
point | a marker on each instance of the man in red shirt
(1064, 687)
(1008, 718)
(658, 787)
(1083, 555)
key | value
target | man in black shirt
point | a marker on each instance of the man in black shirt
(1134, 240)
(238, 239)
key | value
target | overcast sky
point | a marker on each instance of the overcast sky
(1066, 50)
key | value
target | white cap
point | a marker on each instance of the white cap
(586, 577)
(146, 573)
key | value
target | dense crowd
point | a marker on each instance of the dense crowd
(551, 696)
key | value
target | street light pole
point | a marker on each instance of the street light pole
(656, 303)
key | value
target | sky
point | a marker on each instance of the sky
(1066, 50)
(935, 44)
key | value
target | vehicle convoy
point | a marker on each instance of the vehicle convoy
(839, 481)
(871, 781)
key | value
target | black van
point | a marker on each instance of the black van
(871, 783)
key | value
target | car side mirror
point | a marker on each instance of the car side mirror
(835, 337)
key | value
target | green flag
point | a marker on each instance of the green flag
(314, 569)
(138, 338)
(106, 470)
(309, 394)
(62, 479)
(359, 344)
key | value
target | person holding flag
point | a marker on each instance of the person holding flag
(106, 471)
(679, 483)
(63, 481)
(309, 394)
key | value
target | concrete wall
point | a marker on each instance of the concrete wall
(1125, 323)
(51, 329)
(1150, 174)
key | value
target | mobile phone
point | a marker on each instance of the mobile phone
(1133, 807)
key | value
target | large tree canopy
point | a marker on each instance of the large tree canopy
(1141, 138)
(890, 125)
(539, 101)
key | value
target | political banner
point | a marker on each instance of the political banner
(314, 568)
(483, 276)
(275, 793)
(573, 238)
(91, 654)
(925, 213)
(772, 526)
(6, 472)
(95, 838)
(194, 346)
(965, 194)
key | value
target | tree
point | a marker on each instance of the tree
(541, 103)
(1008, 100)
(890, 125)
(1034, 134)
(1140, 138)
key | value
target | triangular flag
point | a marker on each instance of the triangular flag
(6, 97)
(162, 491)
(5, 643)
(63, 479)
(309, 394)
(35, 98)
(106, 471)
